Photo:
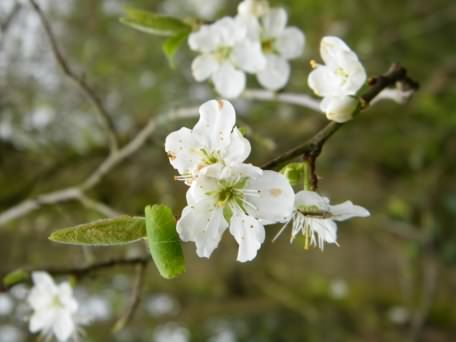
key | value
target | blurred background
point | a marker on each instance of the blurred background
(391, 279)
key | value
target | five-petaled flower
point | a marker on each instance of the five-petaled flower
(314, 217)
(338, 80)
(226, 53)
(54, 307)
(243, 198)
(211, 145)
(279, 44)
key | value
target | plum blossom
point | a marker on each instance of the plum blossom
(314, 217)
(279, 45)
(338, 80)
(225, 55)
(54, 307)
(243, 198)
(211, 145)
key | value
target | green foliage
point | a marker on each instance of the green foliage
(172, 44)
(153, 23)
(15, 277)
(106, 232)
(164, 244)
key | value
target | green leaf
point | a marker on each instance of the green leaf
(106, 232)
(164, 244)
(15, 277)
(172, 44)
(153, 23)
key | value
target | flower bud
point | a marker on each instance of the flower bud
(339, 108)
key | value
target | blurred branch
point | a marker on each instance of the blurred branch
(77, 192)
(290, 98)
(80, 272)
(396, 76)
(135, 298)
(10, 18)
(103, 116)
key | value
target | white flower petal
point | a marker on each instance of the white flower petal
(346, 210)
(332, 49)
(203, 224)
(248, 233)
(63, 326)
(183, 150)
(290, 43)
(230, 31)
(217, 118)
(199, 190)
(239, 148)
(204, 66)
(247, 56)
(253, 8)
(42, 320)
(310, 198)
(66, 297)
(274, 22)
(356, 73)
(228, 81)
(43, 280)
(324, 82)
(325, 229)
(205, 39)
(339, 108)
(274, 200)
(252, 26)
(276, 73)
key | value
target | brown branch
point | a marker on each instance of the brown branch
(102, 114)
(135, 299)
(80, 272)
(396, 76)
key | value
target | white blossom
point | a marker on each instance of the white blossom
(279, 45)
(212, 144)
(226, 54)
(338, 80)
(243, 198)
(314, 217)
(54, 307)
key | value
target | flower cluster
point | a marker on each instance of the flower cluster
(54, 307)
(338, 80)
(256, 41)
(225, 192)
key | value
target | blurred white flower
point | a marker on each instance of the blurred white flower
(279, 45)
(160, 305)
(6, 305)
(9, 333)
(338, 80)
(314, 217)
(338, 289)
(255, 8)
(171, 332)
(225, 54)
(212, 144)
(398, 314)
(53, 307)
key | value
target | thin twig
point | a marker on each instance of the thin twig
(103, 116)
(313, 146)
(134, 300)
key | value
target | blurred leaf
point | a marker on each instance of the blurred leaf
(153, 23)
(172, 44)
(164, 243)
(106, 232)
(15, 277)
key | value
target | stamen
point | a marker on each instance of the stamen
(280, 231)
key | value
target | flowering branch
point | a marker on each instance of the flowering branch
(396, 75)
